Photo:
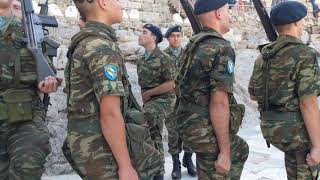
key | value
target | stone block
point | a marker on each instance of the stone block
(134, 5)
(315, 30)
(148, 1)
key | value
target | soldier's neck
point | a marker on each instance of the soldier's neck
(5, 12)
(175, 48)
(290, 33)
(150, 47)
(100, 19)
(214, 25)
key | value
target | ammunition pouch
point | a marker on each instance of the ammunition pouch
(143, 153)
(237, 112)
(135, 117)
(136, 136)
(236, 116)
(285, 130)
(16, 106)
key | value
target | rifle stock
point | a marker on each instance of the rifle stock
(265, 20)
(195, 23)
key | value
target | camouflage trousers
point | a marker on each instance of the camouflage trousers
(156, 110)
(90, 156)
(297, 167)
(23, 149)
(174, 140)
(196, 131)
(295, 161)
(67, 154)
(205, 161)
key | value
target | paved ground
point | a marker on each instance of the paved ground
(262, 164)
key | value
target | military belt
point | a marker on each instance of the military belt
(193, 107)
(276, 115)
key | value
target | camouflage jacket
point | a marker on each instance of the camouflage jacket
(293, 74)
(154, 70)
(176, 58)
(94, 69)
(211, 69)
(12, 48)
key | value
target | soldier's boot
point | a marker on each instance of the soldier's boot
(187, 162)
(159, 177)
(176, 171)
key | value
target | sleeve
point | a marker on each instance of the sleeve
(105, 68)
(168, 69)
(222, 71)
(308, 81)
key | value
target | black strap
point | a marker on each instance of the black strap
(17, 69)
(266, 84)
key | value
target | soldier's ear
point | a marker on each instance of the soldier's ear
(216, 14)
(102, 3)
(154, 38)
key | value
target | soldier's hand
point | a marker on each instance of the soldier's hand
(128, 173)
(49, 85)
(313, 158)
(146, 96)
(222, 164)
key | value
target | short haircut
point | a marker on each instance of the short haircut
(84, 7)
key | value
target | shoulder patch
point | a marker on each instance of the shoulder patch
(230, 66)
(3, 21)
(111, 71)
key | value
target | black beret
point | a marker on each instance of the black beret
(287, 12)
(203, 6)
(155, 31)
(175, 28)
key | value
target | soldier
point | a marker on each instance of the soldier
(208, 117)
(285, 82)
(24, 136)
(98, 137)
(174, 36)
(156, 72)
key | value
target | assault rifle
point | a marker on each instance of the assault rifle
(268, 27)
(265, 20)
(34, 37)
(188, 8)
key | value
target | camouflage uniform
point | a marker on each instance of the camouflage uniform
(210, 69)
(96, 68)
(175, 54)
(153, 70)
(174, 141)
(293, 75)
(24, 136)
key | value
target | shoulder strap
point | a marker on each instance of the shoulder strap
(187, 56)
(76, 39)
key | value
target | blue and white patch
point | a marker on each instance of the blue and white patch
(3, 21)
(111, 71)
(230, 66)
